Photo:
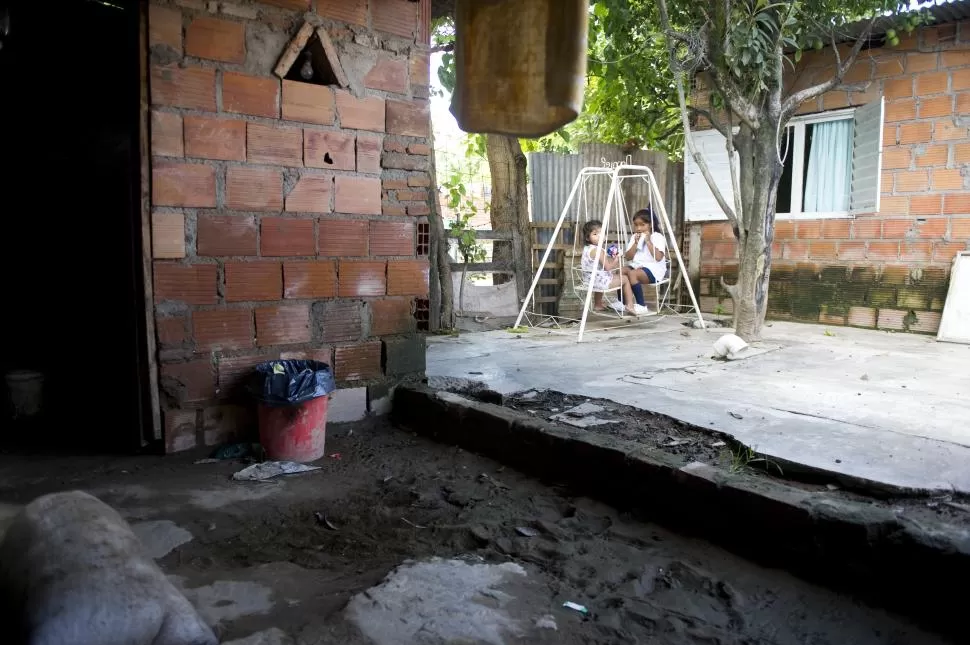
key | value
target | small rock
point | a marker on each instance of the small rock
(736, 415)
(832, 487)
(526, 531)
(481, 534)
(718, 444)
(865, 377)
(838, 461)
(546, 622)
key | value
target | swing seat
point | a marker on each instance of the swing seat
(610, 296)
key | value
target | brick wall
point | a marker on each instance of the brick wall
(283, 213)
(887, 270)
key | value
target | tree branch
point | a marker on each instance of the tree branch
(737, 102)
(710, 117)
(448, 47)
(792, 102)
(698, 158)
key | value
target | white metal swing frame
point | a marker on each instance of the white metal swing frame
(618, 173)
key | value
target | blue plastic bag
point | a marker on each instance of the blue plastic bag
(292, 382)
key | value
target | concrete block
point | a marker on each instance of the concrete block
(405, 355)
(348, 404)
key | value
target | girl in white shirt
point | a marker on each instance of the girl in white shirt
(646, 253)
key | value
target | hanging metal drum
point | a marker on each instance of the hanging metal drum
(521, 65)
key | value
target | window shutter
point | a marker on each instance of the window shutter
(699, 202)
(867, 158)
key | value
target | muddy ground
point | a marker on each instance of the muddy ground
(290, 554)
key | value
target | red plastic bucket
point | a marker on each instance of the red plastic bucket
(294, 432)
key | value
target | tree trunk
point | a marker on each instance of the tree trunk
(440, 261)
(759, 176)
(509, 209)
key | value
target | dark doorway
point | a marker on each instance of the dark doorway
(70, 110)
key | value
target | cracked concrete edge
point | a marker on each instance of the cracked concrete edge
(861, 548)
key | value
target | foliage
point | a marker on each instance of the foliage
(465, 210)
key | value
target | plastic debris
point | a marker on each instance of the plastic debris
(526, 531)
(270, 469)
(736, 415)
(547, 622)
(576, 607)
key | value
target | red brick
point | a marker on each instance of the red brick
(809, 229)
(890, 205)
(419, 181)
(862, 317)
(915, 251)
(281, 236)
(167, 134)
(961, 79)
(362, 279)
(216, 39)
(193, 284)
(341, 320)
(343, 238)
(352, 11)
(394, 184)
(391, 238)
(418, 210)
(822, 250)
(366, 113)
(412, 195)
(368, 154)
(836, 229)
(296, 5)
(218, 329)
(863, 229)
(963, 104)
(912, 181)
(253, 281)
(898, 88)
(888, 67)
(274, 145)
(419, 149)
(883, 251)
(311, 279)
(835, 100)
(724, 250)
(936, 106)
(716, 231)
(945, 130)
(891, 319)
(357, 195)
(904, 110)
(168, 235)
(226, 424)
(254, 189)
(944, 179)
(338, 147)
(960, 226)
(931, 156)
(395, 17)
(171, 331)
(225, 235)
(886, 181)
(956, 204)
(393, 209)
(165, 28)
(235, 372)
(253, 95)
(407, 277)
(408, 118)
(310, 195)
(388, 75)
(308, 103)
(927, 322)
(209, 138)
(284, 325)
(931, 83)
(897, 158)
(960, 58)
(946, 251)
(420, 67)
(921, 62)
(391, 316)
(192, 88)
(358, 362)
(925, 204)
(852, 250)
(188, 382)
(182, 184)
(897, 229)
(394, 145)
(914, 133)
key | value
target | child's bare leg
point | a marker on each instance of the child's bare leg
(628, 295)
(597, 300)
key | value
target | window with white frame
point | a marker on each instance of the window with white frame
(832, 163)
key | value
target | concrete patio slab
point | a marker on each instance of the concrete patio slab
(893, 409)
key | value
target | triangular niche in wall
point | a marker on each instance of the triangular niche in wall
(311, 58)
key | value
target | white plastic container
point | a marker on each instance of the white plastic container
(26, 389)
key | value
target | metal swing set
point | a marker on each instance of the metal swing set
(615, 221)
